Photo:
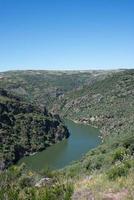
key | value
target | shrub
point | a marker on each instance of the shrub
(96, 162)
(117, 171)
(119, 154)
(68, 191)
(26, 181)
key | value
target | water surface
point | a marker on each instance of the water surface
(82, 139)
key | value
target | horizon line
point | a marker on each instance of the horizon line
(73, 69)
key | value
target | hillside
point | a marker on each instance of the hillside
(104, 173)
(107, 104)
(25, 128)
(43, 87)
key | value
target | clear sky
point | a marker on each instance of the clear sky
(66, 34)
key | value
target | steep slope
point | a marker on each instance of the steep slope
(25, 128)
(107, 104)
(106, 172)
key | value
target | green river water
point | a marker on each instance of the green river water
(82, 139)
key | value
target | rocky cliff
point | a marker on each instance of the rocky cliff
(25, 128)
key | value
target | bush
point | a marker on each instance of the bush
(117, 171)
(119, 154)
(68, 192)
(26, 181)
(95, 163)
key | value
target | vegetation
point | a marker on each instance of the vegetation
(107, 104)
(106, 170)
(101, 99)
(25, 129)
(43, 87)
(16, 183)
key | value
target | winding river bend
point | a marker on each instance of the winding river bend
(82, 139)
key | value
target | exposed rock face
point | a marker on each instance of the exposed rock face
(25, 129)
(44, 181)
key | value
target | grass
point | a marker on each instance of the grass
(104, 171)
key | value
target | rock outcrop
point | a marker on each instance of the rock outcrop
(25, 129)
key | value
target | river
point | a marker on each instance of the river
(82, 139)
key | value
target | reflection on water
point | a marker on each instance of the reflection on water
(82, 139)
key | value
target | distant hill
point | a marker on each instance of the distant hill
(43, 87)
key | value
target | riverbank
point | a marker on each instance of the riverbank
(104, 172)
(86, 122)
(82, 139)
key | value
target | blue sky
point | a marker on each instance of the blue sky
(66, 34)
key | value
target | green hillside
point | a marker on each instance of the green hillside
(25, 128)
(43, 87)
(105, 100)
(107, 104)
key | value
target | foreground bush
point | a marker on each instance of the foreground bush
(16, 184)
